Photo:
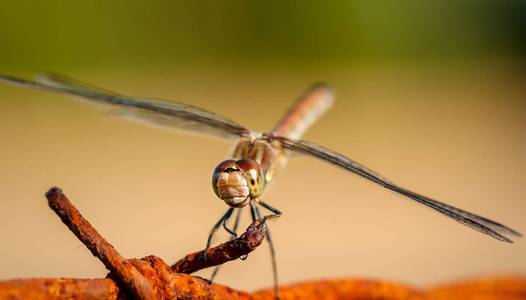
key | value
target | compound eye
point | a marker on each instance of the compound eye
(227, 166)
(230, 184)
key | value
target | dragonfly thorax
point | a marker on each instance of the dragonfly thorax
(236, 182)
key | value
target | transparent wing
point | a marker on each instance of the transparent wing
(164, 113)
(484, 225)
(61, 81)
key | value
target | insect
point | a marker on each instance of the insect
(241, 180)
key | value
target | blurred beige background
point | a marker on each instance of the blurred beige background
(450, 126)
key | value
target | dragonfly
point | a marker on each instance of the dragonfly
(241, 180)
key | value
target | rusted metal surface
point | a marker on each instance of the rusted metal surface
(344, 289)
(178, 286)
(183, 286)
(489, 288)
(51, 288)
(151, 278)
(246, 243)
(171, 285)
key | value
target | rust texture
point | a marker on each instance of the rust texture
(151, 278)
(344, 289)
(52, 288)
(171, 285)
(489, 288)
(183, 286)
(246, 243)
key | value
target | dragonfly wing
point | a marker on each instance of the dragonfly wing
(171, 123)
(61, 81)
(165, 113)
(484, 225)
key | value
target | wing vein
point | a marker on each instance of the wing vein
(481, 224)
(141, 108)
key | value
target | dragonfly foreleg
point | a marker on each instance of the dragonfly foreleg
(257, 214)
(233, 232)
(276, 211)
(234, 235)
(216, 227)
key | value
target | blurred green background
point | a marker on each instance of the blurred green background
(429, 93)
(72, 34)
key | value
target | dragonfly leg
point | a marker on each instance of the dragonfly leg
(276, 211)
(253, 213)
(216, 227)
(256, 214)
(234, 235)
(233, 232)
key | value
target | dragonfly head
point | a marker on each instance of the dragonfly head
(236, 182)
